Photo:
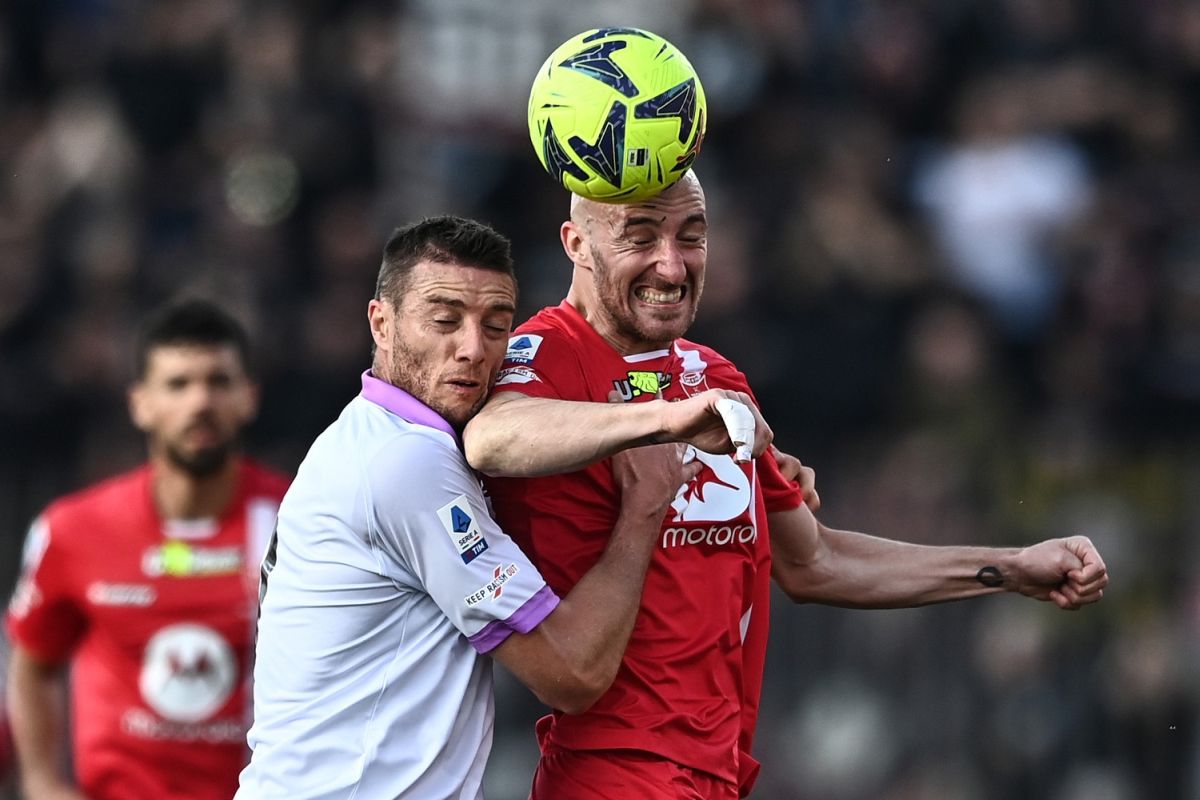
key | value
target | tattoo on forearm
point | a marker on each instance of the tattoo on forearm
(990, 577)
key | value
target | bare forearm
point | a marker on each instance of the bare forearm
(855, 570)
(592, 624)
(573, 656)
(533, 436)
(37, 711)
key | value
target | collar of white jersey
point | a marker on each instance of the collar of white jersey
(402, 404)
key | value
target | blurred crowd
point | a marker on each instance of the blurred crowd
(955, 246)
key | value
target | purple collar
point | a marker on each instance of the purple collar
(402, 404)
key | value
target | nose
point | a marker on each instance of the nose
(670, 265)
(201, 396)
(470, 346)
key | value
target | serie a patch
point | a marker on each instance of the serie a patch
(461, 523)
(522, 348)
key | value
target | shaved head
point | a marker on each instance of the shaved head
(639, 267)
(583, 209)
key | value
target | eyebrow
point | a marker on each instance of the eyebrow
(458, 303)
(646, 219)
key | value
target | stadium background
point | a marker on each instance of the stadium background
(956, 247)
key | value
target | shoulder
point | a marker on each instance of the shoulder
(111, 497)
(703, 361)
(263, 481)
(412, 457)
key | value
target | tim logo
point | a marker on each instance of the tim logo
(639, 382)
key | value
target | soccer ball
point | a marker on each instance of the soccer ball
(616, 114)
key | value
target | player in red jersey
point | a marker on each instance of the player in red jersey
(145, 585)
(679, 719)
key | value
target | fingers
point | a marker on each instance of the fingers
(741, 424)
(788, 464)
(1089, 579)
(793, 470)
(1070, 598)
(763, 435)
(811, 498)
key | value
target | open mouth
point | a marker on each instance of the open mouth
(464, 385)
(660, 297)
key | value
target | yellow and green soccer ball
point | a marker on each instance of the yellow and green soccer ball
(617, 114)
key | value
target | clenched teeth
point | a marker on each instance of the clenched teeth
(647, 295)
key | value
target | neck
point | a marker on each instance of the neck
(583, 303)
(180, 495)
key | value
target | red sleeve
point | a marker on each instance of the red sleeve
(779, 494)
(44, 615)
(540, 363)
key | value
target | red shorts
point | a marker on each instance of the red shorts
(622, 775)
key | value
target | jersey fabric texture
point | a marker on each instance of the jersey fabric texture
(688, 688)
(386, 584)
(157, 620)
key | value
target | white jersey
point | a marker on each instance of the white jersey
(386, 583)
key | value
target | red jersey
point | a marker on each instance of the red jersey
(157, 620)
(688, 687)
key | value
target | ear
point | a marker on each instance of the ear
(139, 407)
(381, 318)
(252, 397)
(574, 243)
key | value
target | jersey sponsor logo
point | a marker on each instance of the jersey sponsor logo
(717, 535)
(493, 588)
(719, 495)
(459, 519)
(121, 594)
(141, 723)
(188, 672)
(638, 382)
(522, 348)
(182, 560)
(516, 375)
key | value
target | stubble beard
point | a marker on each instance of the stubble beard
(203, 463)
(615, 301)
(407, 375)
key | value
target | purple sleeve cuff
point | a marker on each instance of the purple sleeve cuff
(523, 620)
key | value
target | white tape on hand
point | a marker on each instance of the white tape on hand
(740, 424)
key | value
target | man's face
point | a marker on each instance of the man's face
(445, 343)
(192, 403)
(648, 262)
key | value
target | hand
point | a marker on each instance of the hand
(793, 470)
(697, 422)
(650, 477)
(1067, 571)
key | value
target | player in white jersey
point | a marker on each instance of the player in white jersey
(387, 580)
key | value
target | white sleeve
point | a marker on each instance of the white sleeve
(428, 516)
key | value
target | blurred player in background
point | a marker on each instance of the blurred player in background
(387, 580)
(144, 585)
(679, 719)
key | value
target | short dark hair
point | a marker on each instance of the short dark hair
(445, 240)
(190, 322)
